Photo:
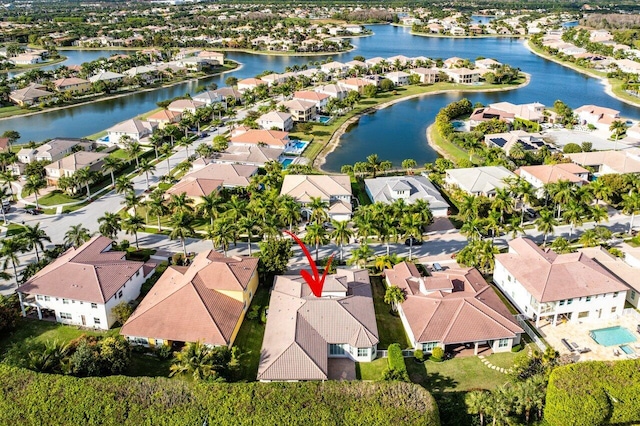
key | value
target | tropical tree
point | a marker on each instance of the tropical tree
(109, 225)
(546, 224)
(111, 164)
(33, 185)
(375, 165)
(180, 203)
(618, 128)
(477, 402)
(186, 143)
(601, 190)
(132, 201)
(182, 228)
(387, 261)
(200, 361)
(394, 296)
(7, 178)
(157, 208)
(561, 245)
(211, 206)
(84, 177)
(502, 202)
(341, 234)
(411, 225)
(409, 164)
(123, 184)
(132, 224)
(248, 224)
(631, 205)
(33, 237)
(318, 209)
(134, 149)
(221, 233)
(146, 167)
(166, 151)
(469, 206)
(361, 255)
(9, 250)
(589, 238)
(289, 208)
(316, 235)
(573, 214)
(76, 235)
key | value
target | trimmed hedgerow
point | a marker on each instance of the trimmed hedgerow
(27, 397)
(594, 393)
(397, 369)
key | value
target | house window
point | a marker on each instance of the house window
(614, 309)
(336, 349)
(583, 314)
(94, 306)
(561, 303)
(65, 316)
(503, 343)
(633, 295)
(137, 272)
(615, 294)
(509, 278)
(119, 294)
(39, 297)
(65, 302)
(588, 298)
(570, 301)
(96, 321)
(47, 298)
(363, 352)
(429, 346)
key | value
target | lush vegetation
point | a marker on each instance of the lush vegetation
(594, 393)
(27, 398)
(397, 369)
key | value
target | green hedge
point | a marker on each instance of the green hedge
(397, 369)
(594, 393)
(32, 398)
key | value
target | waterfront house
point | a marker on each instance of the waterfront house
(399, 78)
(213, 58)
(333, 91)
(249, 84)
(408, 188)
(84, 284)
(506, 141)
(26, 59)
(205, 301)
(229, 94)
(334, 190)
(544, 284)
(271, 138)
(306, 334)
(609, 162)
(452, 309)
(53, 150)
(357, 84)
(453, 62)
(133, 128)
(487, 64)
(318, 98)
(70, 164)
(30, 95)
(300, 110)
(185, 105)
(530, 112)
(599, 117)
(628, 66)
(208, 97)
(72, 84)
(427, 75)
(107, 76)
(462, 75)
(478, 180)
(337, 69)
(276, 120)
(164, 117)
(486, 113)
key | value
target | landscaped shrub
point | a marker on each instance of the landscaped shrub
(419, 355)
(254, 313)
(437, 354)
(516, 348)
(594, 393)
(32, 398)
(397, 369)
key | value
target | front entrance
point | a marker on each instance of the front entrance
(84, 321)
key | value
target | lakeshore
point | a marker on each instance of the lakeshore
(334, 140)
(24, 68)
(606, 82)
(121, 95)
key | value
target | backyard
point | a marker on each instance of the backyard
(249, 338)
(390, 328)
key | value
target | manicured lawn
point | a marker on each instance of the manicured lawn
(121, 154)
(458, 374)
(249, 338)
(390, 329)
(148, 365)
(56, 197)
(453, 151)
(357, 185)
(10, 111)
(371, 370)
(503, 359)
(14, 229)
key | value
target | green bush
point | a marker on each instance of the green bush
(254, 313)
(397, 369)
(437, 354)
(571, 148)
(516, 348)
(594, 393)
(32, 398)
(164, 352)
(419, 355)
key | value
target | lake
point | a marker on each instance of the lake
(395, 133)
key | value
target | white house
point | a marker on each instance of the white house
(83, 285)
(408, 188)
(335, 190)
(571, 287)
(597, 116)
(274, 119)
(478, 180)
(133, 128)
(399, 78)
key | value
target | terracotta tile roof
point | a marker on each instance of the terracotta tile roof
(231, 175)
(551, 173)
(251, 82)
(549, 277)
(196, 187)
(303, 187)
(270, 137)
(616, 161)
(452, 306)
(69, 81)
(618, 267)
(298, 105)
(301, 326)
(88, 273)
(165, 115)
(310, 95)
(4, 144)
(188, 304)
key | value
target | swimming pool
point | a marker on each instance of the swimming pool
(286, 162)
(627, 349)
(324, 119)
(612, 336)
(300, 145)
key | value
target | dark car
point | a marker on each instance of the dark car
(413, 241)
(328, 226)
(33, 212)
(531, 213)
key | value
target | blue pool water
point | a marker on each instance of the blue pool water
(627, 349)
(457, 124)
(324, 119)
(300, 145)
(612, 336)
(286, 162)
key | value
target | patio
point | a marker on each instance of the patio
(578, 332)
(341, 369)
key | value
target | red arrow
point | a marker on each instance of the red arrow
(315, 282)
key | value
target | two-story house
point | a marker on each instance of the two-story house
(597, 116)
(70, 164)
(53, 150)
(301, 110)
(544, 174)
(205, 301)
(305, 334)
(408, 188)
(544, 284)
(82, 286)
(334, 190)
(276, 120)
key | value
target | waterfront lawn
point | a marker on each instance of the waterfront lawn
(10, 111)
(249, 338)
(453, 152)
(390, 328)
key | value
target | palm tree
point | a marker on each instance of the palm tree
(361, 255)
(318, 210)
(221, 233)
(180, 203)
(387, 261)
(411, 226)
(196, 360)
(573, 215)
(33, 237)
(597, 213)
(4, 193)
(290, 209)
(375, 165)
(182, 228)
(131, 200)
(561, 192)
(33, 186)
(477, 402)
(77, 235)
(601, 190)
(631, 205)
(185, 142)
(132, 224)
(468, 207)
(502, 202)
(84, 177)
(546, 223)
(123, 184)
(409, 164)
(9, 249)
(235, 208)
(589, 238)
(111, 164)
(248, 224)
(618, 127)
(146, 167)
(109, 225)
(166, 151)
(134, 149)
(561, 245)
(316, 235)
(7, 178)
(157, 208)
(341, 234)
(210, 206)
(394, 296)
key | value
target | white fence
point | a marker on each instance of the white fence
(522, 320)
(631, 312)
(407, 353)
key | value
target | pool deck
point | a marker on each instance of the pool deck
(579, 332)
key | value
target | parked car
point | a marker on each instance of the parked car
(33, 211)
(413, 241)
(531, 213)
(328, 226)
